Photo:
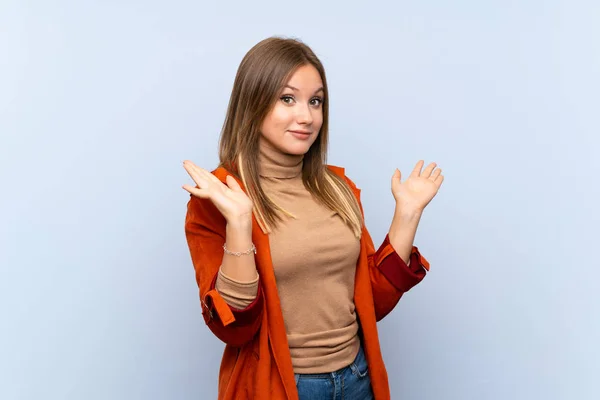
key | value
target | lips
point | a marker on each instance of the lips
(302, 132)
(302, 135)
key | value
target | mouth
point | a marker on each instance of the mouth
(302, 132)
(301, 135)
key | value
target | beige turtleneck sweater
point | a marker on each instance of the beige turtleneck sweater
(314, 259)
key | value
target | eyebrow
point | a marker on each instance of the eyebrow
(316, 91)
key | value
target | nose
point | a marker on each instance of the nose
(304, 115)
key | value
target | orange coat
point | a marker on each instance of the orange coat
(256, 361)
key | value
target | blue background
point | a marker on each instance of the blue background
(100, 102)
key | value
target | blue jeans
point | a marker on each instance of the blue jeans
(349, 383)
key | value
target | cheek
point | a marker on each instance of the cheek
(281, 116)
(318, 119)
(275, 124)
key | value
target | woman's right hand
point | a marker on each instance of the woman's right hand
(229, 199)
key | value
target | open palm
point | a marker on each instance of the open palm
(230, 199)
(419, 188)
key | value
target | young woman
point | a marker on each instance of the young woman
(289, 277)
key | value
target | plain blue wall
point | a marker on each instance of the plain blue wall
(100, 102)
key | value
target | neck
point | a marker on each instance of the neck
(276, 164)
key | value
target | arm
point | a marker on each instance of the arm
(206, 231)
(237, 280)
(402, 232)
(404, 267)
(390, 275)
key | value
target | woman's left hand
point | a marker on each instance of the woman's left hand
(415, 193)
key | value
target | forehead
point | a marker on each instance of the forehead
(306, 77)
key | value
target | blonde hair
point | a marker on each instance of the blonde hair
(261, 76)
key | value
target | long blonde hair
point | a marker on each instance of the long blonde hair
(261, 76)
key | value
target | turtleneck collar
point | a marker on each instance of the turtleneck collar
(275, 164)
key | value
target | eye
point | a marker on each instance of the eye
(287, 99)
(316, 101)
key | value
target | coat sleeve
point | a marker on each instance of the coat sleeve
(205, 235)
(390, 276)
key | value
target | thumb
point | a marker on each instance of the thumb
(233, 184)
(396, 177)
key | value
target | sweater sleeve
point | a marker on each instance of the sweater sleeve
(205, 233)
(390, 276)
(236, 293)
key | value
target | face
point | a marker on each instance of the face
(293, 123)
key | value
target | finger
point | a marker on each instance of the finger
(201, 176)
(438, 181)
(210, 176)
(192, 169)
(190, 166)
(201, 193)
(416, 172)
(199, 171)
(199, 179)
(233, 184)
(396, 177)
(435, 174)
(428, 170)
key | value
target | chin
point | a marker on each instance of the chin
(297, 147)
(297, 150)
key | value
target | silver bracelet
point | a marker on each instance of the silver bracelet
(240, 253)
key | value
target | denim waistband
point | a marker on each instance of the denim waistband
(328, 375)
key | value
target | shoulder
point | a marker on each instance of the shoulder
(341, 172)
(221, 173)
